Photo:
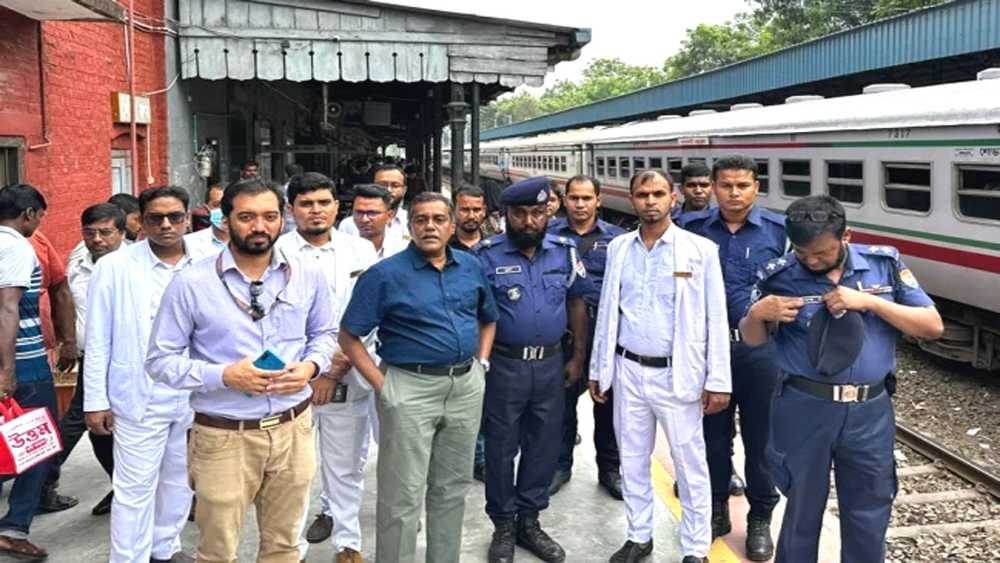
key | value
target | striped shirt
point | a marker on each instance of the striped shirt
(19, 267)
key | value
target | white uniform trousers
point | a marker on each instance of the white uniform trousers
(644, 396)
(344, 434)
(152, 495)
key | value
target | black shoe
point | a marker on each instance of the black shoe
(320, 529)
(760, 547)
(736, 486)
(721, 525)
(103, 507)
(560, 478)
(694, 559)
(502, 544)
(179, 557)
(612, 483)
(632, 552)
(479, 472)
(530, 536)
(52, 501)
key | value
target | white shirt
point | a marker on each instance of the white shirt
(397, 228)
(201, 244)
(81, 249)
(17, 259)
(78, 274)
(647, 297)
(160, 276)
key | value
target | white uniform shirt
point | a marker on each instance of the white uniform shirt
(201, 244)
(398, 228)
(647, 297)
(160, 276)
(80, 250)
(78, 274)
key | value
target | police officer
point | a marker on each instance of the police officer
(591, 235)
(831, 404)
(748, 237)
(537, 282)
(696, 189)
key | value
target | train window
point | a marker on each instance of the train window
(763, 178)
(795, 177)
(638, 163)
(612, 166)
(656, 163)
(600, 166)
(674, 166)
(562, 163)
(623, 169)
(979, 192)
(907, 186)
(548, 163)
(845, 180)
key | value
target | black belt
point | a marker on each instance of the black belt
(259, 424)
(837, 393)
(645, 361)
(527, 353)
(425, 369)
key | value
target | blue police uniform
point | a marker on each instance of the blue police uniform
(593, 251)
(853, 428)
(761, 239)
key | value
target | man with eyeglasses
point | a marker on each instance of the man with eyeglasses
(538, 283)
(392, 179)
(834, 311)
(371, 213)
(149, 420)
(103, 230)
(436, 318)
(252, 440)
(748, 236)
(696, 190)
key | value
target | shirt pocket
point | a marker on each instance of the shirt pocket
(555, 284)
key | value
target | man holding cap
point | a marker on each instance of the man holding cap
(835, 311)
(536, 279)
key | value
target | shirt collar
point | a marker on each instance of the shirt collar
(301, 243)
(157, 263)
(562, 226)
(715, 216)
(667, 237)
(419, 261)
(855, 262)
(278, 260)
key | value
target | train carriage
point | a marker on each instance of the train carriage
(916, 168)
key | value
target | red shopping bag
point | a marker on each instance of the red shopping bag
(27, 438)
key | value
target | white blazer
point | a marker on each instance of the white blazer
(701, 329)
(118, 328)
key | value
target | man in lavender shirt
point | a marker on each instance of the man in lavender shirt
(252, 437)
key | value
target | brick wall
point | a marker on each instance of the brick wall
(84, 62)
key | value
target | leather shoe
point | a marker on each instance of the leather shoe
(694, 559)
(348, 555)
(736, 486)
(179, 557)
(721, 525)
(759, 546)
(103, 507)
(612, 483)
(320, 529)
(560, 478)
(632, 552)
(479, 472)
(530, 536)
(52, 501)
(502, 544)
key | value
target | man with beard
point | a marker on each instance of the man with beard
(591, 235)
(391, 179)
(149, 420)
(252, 441)
(341, 398)
(371, 215)
(696, 188)
(436, 318)
(661, 344)
(834, 311)
(748, 237)
(537, 282)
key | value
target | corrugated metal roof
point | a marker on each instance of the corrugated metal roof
(947, 30)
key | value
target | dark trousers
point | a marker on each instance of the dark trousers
(808, 435)
(522, 411)
(604, 431)
(72, 427)
(754, 376)
(27, 490)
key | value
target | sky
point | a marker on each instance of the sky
(636, 31)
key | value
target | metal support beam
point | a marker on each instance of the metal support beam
(474, 135)
(436, 125)
(456, 117)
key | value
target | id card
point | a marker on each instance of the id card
(339, 393)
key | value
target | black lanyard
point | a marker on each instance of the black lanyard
(243, 305)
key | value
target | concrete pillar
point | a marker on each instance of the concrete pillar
(474, 135)
(436, 126)
(456, 117)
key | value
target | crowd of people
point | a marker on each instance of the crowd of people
(225, 367)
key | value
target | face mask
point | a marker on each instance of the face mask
(215, 216)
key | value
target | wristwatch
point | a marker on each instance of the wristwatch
(485, 363)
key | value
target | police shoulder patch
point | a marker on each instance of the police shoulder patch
(908, 279)
(880, 250)
(774, 266)
(558, 239)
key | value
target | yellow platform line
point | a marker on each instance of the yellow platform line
(663, 484)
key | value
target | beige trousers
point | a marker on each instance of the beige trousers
(272, 469)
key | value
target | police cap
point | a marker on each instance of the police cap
(834, 343)
(532, 191)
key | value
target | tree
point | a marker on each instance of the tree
(712, 46)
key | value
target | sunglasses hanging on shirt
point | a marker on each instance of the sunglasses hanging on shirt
(254, 308)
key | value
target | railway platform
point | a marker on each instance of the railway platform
(589, 524)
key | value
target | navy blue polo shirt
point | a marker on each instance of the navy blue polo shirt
(761, 239)
(423, 316)
(593, 258)
(877, 269)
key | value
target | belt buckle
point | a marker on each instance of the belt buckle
(848, 393)
(734, 335)
(269, 422)
(532, 353)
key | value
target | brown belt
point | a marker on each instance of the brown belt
(260, 424)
